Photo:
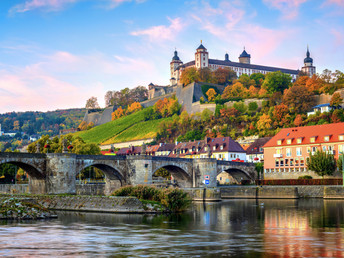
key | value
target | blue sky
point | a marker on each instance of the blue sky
(56, 54)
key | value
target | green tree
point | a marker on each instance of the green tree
(322, 163)
(258, 78)
(252, 106)
(340, 163)
(276, 81)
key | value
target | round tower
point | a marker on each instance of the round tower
(245, 57)
(308, 68)
(201, 57)
(173, 68)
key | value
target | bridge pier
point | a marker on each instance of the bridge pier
(60, 176)
(204, 167)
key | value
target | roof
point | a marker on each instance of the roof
(308, 58)
(175, 57)
(306, 133)
(151, 149)
(166, 147)
(244, 54)
(322, 105)
(254, 147)
(252, 66)
(198, 147)
(129, 151)
(201, 47)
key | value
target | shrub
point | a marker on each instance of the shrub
(322, 163)
(305, 177)
(173, 199)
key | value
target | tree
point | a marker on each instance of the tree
(264, 123)
(82, 126)
(224, 75)
(205, 74)
(336, 99)
(298, 120)
(281, 114)
(314, 84)
(189, 75)
(258, 78)
(322, 163)
(211, 93)
(246, 81)
(92, 103)
(134, 107)
(119, 112)
(252, 106)
(298, 98)
(276, 81)
(235, 90)
(301, 81)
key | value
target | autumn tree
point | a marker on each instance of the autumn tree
(224, 75)
(276, 81)
(298, 99)
(82, 126)
(281, 114)
(314, 84)
(246, 81)
(119, 112)
(189, 75)
(205, 74)
(258, 78)
(92, 103)
(264, 123)
(235, 90)
(298, 120)
(301, 81)
(336, 99)
(211, 94)
(167, 107)
(134, 107)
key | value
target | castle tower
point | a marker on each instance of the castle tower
(173, 66)
(308, 69)
(227, 57)
(201, 57)
(244, 57)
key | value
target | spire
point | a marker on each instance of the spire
(308, 58)
(175, 57)
(226, 57)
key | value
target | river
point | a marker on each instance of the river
(240, 228)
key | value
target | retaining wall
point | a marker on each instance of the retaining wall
(90, 189)
(14, 189)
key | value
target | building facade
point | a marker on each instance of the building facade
(285, 155)
(255, 152)
(244, 65)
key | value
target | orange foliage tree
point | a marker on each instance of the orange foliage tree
(336, 99)
(134, 107)
(119, 112)
(211, 94)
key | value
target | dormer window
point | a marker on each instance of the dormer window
(341, 137)
(279, 142)
(205, 148)
(289, 141)
(299, 140)
(214, 147)
(327, 138)
(312, 140)
(221, 147)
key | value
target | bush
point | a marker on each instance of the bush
(305, 177)
(322, 163)
(173, 199)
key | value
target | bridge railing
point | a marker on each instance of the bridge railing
(89, 181)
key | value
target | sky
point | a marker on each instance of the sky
(55, 54)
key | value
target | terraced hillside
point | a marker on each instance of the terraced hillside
(127, 128)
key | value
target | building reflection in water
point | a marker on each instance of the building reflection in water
(293, 230)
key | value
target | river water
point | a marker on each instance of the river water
(240, 228)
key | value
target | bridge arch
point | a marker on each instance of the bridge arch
(110, 172)
(33, 171)
(181, 177)
(237, 173)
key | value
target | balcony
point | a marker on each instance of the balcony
(278, 155)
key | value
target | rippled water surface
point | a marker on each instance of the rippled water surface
(241, 228)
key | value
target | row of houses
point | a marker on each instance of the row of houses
(221, 148)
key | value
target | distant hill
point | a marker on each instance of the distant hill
(127, 128)
(40, 123)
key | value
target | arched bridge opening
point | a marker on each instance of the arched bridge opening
(27, 174)
(228, 176)
(172, 176)
(98, 179)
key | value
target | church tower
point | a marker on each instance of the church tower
(244, 57)
(308, 69)
(201, 57)
(173, 66)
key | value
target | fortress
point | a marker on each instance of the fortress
(189, 95)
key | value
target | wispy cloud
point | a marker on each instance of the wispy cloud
(161, 32)
(334, 2)
(289, 8)
(47, 5)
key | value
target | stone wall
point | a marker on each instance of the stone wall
(297, 174)
(334, 192)
(14, 189)
(90, 189)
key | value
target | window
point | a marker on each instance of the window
(340, 149)
(289, 141)
(341, 137)
(291, 162)
(278, 151)
(302, 162)
(298, 151)
(324, 148)
(214, 147)
(281, 163)
(205, 148)
(312, 139)
(279, 142)
(308, 149)
(314, 149)
(288, 151)
(299, 140)
(276, 162)
(326, 138)
(221, 147)
(261, 149)
(286, 162)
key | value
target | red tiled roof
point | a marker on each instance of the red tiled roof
(254, 148)
(306, 133)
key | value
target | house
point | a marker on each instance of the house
(131, 150)
(165, 149)
(151, 150)
(222, 148)
(285, 154)
(255, 152)
(322, 108)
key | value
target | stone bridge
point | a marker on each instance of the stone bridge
(56, 173)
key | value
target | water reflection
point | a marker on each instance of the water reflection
(245, 228)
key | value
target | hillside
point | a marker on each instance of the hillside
(127, 128)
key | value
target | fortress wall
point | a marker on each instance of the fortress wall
(151, 102)
(106, 115)
(326, 98)
(247, 101)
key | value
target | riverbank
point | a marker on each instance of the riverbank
(83, 203)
